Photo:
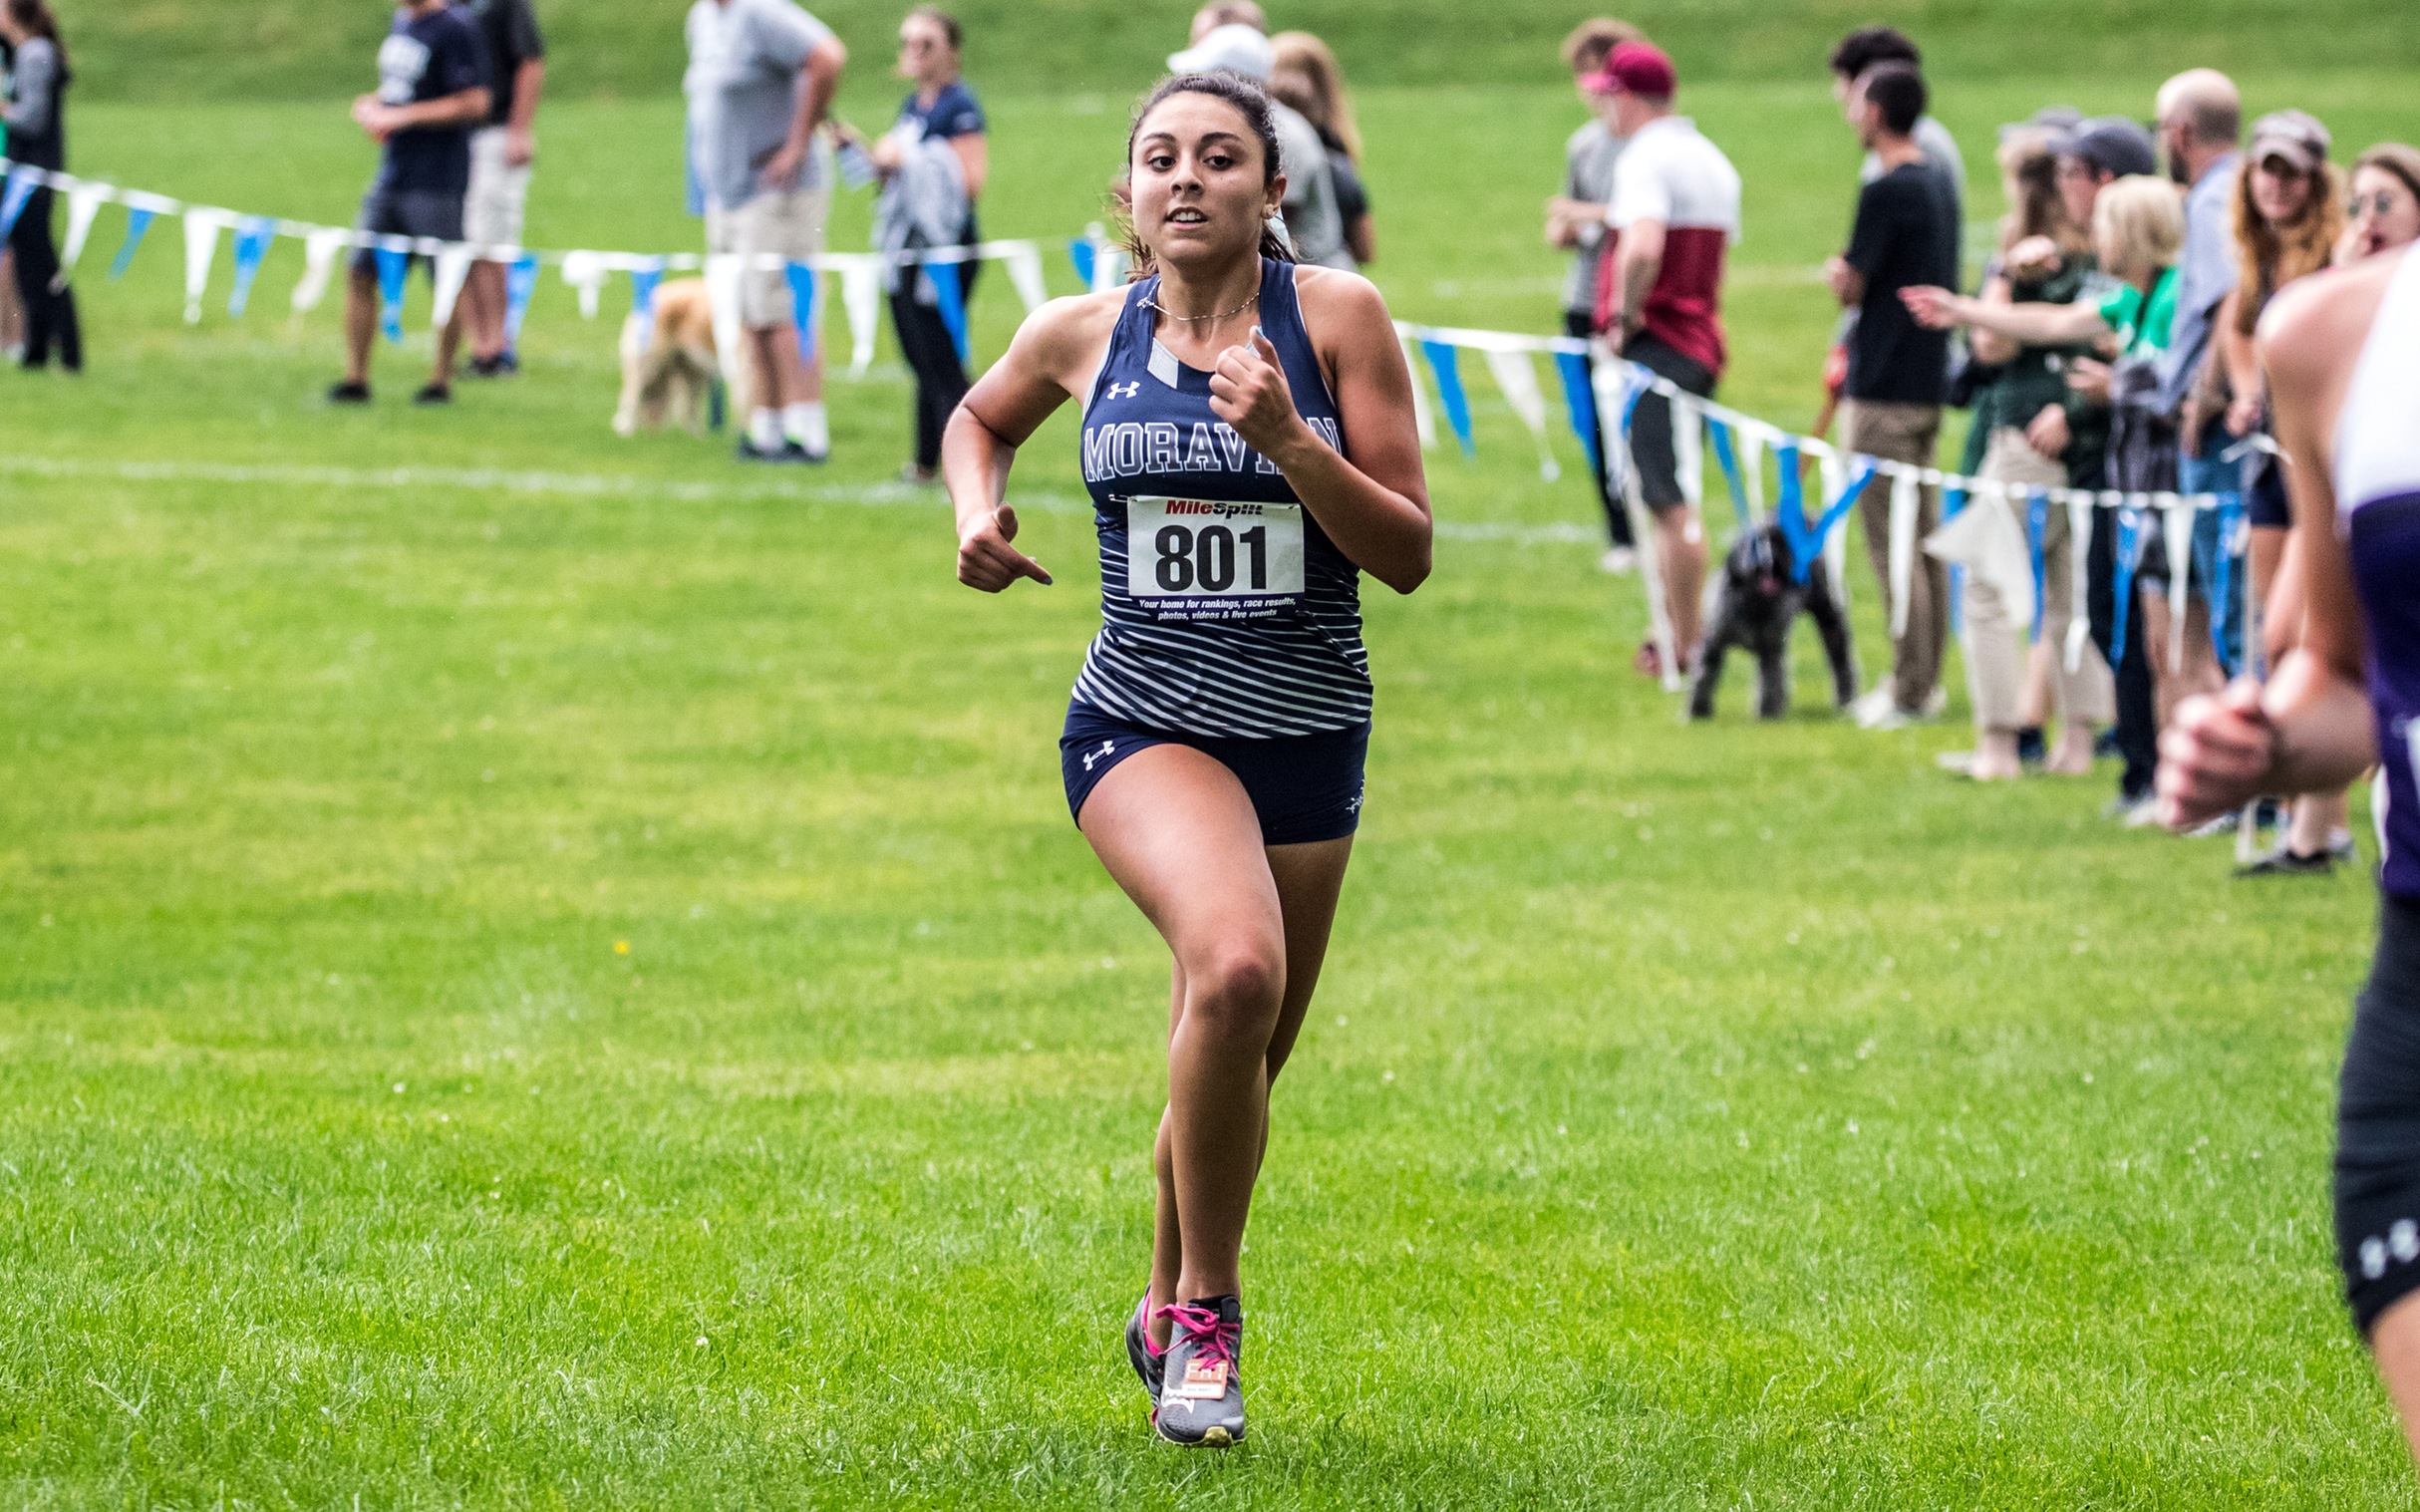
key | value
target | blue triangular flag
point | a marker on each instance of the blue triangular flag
(20, 187)
(804, 291)
(2037, 525)
(1084, 255)
(392, 265)
(252, 238)
(1727, 456)
(1806, 538)
(950, 298)
(137, 221)
(2121, 579)
(520, 284)
(2222, 574)
(643, 280)
(1580, 402)
(1443, 364)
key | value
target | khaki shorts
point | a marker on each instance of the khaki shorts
(492, 211)
(788, 226)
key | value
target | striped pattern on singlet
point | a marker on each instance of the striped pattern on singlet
(1149, 431)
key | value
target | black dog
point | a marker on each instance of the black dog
(1752, 606)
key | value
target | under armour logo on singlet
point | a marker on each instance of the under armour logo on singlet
(1107, 749)
(1124, 390)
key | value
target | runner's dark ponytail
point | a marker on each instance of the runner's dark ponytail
(1249, 102)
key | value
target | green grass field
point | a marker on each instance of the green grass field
(1723, 1117)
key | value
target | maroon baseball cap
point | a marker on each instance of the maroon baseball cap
(1636, 68)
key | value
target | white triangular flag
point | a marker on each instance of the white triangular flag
(452, 269)
(1024, 260)
(1423, 419)
(2079, 554)
(201, 228)
(1752, 465)
(84, 201)
(723, 277)
(861, 299)
(1109, 265)
(1613, 393)
(1519, 381)
(1832, 475)
(1989, 542)
(1688, 452)
(2179, 518)
(1905, 504)
(320, 249)
(586, 272)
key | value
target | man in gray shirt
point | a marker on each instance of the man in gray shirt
(1231, 38)
(1574, 221)
(761, 76)
(2200, 119)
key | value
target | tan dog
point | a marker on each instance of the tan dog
(669, 363)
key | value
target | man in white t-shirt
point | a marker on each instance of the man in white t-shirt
(1674, 216)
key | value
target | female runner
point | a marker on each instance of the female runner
(1248, 441)
(2347, 697)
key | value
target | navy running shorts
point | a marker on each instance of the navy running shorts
(390, 212)
(2378, 1126)
(1305, 787)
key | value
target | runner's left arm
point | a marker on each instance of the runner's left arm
(1373, 503)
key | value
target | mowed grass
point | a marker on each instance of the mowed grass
(1725, 1117)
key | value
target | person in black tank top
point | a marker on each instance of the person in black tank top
(2338, 349)
(1250, 446)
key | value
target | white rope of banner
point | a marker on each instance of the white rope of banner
(1757, 435)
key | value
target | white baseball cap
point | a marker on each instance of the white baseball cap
(1231, 49)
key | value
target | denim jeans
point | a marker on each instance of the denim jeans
(2206, 473)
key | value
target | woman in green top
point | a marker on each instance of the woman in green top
(2137, 227)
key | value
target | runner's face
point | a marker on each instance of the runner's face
(1199, 180)
(2384, 213)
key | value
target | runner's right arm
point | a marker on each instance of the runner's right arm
(1050, 361)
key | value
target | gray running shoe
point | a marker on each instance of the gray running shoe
(1147, 1362)
(1202, 1394)
(2285, 861)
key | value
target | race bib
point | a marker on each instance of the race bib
(1206, 559)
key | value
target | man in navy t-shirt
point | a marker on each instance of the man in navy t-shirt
(432, 91)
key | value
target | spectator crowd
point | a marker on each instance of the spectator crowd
(2108, 343)
(2107, 346)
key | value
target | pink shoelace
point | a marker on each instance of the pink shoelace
(1212, 1339)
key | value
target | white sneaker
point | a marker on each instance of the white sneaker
(1619, 560)
(1936, 703)
(1873, 704)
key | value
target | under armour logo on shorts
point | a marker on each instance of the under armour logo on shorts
(1107, 749)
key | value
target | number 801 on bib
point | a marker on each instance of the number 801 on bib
(1209, 559)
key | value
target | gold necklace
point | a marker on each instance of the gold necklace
(1193, 320)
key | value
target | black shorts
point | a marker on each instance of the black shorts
(1652, 448)
(387, 211)
(2378, 1126)
(1304, 787)
(2264, 501)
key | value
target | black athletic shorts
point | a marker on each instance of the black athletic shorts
(1305, 787)
(2265, 500)
(407, 213)
(1651, 446)
(2378, 1126)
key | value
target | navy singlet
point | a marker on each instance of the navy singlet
(1239, 617)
